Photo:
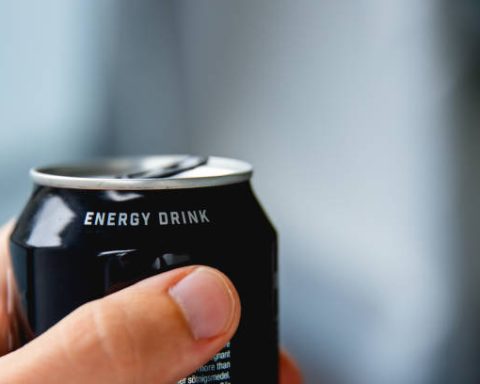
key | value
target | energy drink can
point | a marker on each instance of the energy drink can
(89, 230)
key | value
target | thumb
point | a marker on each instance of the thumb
(156, 331)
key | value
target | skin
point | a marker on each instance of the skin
(162, 352)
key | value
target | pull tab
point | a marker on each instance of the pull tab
(186, 164)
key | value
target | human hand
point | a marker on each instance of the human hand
(180, 319)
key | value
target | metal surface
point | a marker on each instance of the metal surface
(104, 174)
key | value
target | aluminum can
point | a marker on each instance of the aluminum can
(91, 229)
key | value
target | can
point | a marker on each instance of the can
(91, 229)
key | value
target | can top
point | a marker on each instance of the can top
(147, 172)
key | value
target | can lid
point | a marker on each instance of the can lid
(142, 173)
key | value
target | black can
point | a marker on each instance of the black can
(89, 230)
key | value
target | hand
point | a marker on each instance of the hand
(180, 319)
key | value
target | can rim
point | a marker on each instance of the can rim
(75, 176)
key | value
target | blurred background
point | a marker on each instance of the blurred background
(360, 117)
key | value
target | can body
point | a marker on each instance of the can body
(71, 246)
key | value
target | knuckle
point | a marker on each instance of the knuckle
(114, 341)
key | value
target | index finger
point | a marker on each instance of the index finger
(8, 324)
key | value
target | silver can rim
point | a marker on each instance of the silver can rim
(69, 176)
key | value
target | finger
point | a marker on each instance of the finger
(157, 331)
(6, 302)
(289, 372)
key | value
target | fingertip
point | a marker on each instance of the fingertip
(208, 301)
(289, 371)
(7, 228)
(205, 296)
(5, 232)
